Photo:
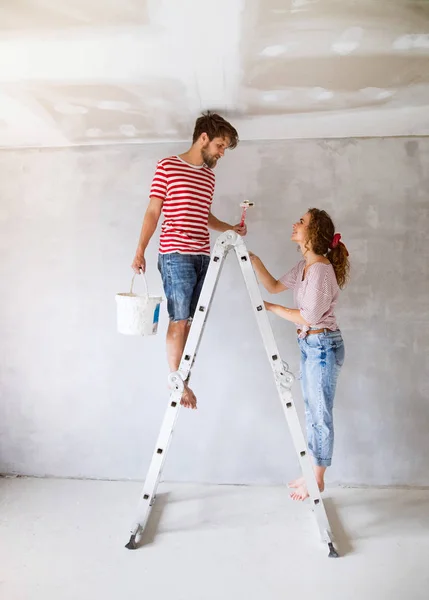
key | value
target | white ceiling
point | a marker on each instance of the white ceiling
(109, 71)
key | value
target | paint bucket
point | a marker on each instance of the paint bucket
(137, 314)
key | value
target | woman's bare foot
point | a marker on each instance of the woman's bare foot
(296, 483)
(189, 399)
(300, 492)
(300, 487)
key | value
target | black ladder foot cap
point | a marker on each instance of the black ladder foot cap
(132, 543)
(332, 552)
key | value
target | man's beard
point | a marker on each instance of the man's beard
(209, 159)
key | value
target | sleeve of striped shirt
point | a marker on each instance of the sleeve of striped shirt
(159, 183)
(289, 278)
(317, 298)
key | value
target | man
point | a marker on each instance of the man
(182, 189)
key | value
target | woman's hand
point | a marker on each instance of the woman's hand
(270, 284)
(277, 309)
(255, 260)
(290, 314)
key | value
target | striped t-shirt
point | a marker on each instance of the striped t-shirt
(187, 194)
(316, 296)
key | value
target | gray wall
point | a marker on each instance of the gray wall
(78, 399)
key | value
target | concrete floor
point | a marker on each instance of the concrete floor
(64, 540)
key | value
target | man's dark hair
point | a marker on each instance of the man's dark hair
(215, 126)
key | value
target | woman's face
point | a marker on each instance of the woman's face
(299, 230)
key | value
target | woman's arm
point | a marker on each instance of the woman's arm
(272, 285)
(290, 314)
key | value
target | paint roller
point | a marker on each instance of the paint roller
(245, 205)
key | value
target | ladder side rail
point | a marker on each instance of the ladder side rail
(176, 382)
(283, 380)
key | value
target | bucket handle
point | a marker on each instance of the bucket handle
(144, 281)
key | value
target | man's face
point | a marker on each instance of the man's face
(212, 151)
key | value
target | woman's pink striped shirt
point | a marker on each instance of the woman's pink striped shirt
(315, 296)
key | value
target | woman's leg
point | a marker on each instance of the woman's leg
(321, 359)
(299, 485)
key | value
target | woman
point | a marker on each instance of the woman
(316, 281)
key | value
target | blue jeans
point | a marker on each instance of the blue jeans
(182, 277)
(322, 356)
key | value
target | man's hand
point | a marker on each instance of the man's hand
(240, 229)
(139, 263)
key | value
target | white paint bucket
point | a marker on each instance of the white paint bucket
(137, 315)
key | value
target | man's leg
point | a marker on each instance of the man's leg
(177, 334)
(201, 264)
(179, 278)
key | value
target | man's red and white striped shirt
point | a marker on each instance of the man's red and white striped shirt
(187, 195)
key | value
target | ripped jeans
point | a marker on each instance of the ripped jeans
(322, 356)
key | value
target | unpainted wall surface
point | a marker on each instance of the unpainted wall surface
(80, 400)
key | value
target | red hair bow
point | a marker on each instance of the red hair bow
(335, 240)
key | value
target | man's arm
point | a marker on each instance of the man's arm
(217, 225)
(150, 223)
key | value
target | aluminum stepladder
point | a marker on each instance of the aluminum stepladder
(283, 379)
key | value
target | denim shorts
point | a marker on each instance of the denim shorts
(182, 277)
(322, 356)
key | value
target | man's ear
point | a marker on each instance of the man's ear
(204, 139)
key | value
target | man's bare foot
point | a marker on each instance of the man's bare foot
(300, 489)
(189, 399)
